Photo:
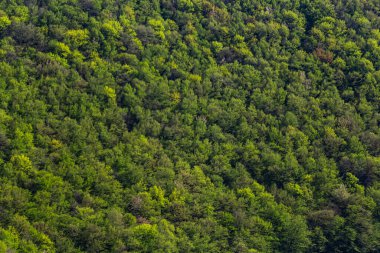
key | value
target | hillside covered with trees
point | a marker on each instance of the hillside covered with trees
(176, 126)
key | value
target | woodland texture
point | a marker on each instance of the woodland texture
(176, 126)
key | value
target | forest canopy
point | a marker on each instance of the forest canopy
(189, 126)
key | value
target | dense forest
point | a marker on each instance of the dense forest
(189, 126)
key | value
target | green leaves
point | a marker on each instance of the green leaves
(4, 21)
(189, 126)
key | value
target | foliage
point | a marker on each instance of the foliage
(189, 126)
